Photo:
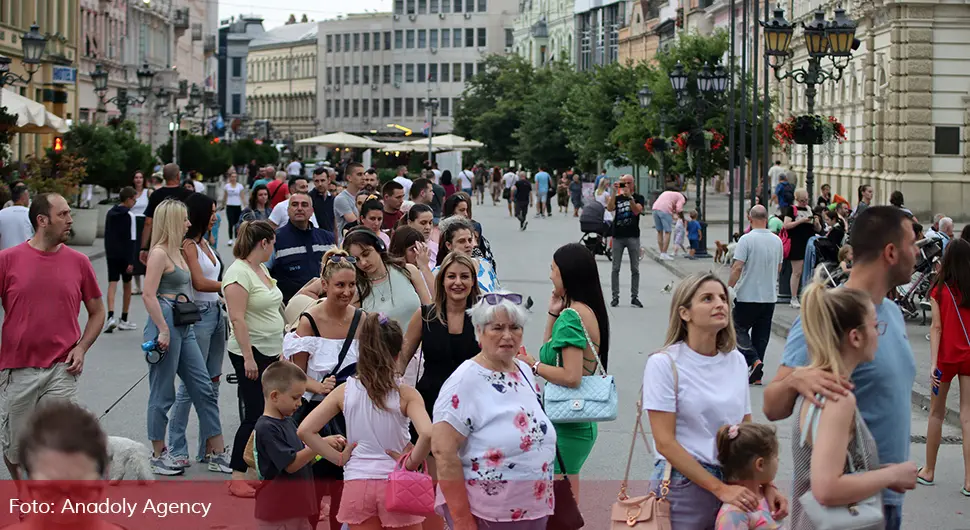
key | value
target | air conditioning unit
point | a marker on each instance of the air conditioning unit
(412, 18)
(366, 119)
(482, 50)
(441, 16)
(336, 88)
(434, 50)
(373, 87)
(397, 17)
(397, 85)
(468, 16)
(327, 89)
(508, 49)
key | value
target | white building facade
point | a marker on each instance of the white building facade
(545, 31)
(598, 24)
(378, 69)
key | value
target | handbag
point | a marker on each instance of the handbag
(594, 400)
(647, 512)
(864, 515)
(184, 311)
(506, 193)
(410, 492)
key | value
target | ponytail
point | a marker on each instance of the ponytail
(828, 315)
(249, 235)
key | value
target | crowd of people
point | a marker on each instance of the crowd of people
(369, 335)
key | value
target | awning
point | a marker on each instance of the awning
(32, 117)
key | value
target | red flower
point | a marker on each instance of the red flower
(539, 489)
(545, 467)
(495, 457)
(472, 482)
(454, 401)
(517, 514)
(526, 443)
(521, 421)
(515, 376)
(551, 501)
(475, 466)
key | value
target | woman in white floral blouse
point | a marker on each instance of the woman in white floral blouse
(493, 443)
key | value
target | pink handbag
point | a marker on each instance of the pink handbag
(410, 492)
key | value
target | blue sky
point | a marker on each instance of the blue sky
(275, 13)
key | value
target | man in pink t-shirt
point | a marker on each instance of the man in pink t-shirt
(664, 208)
(42, 285)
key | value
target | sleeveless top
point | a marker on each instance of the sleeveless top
(395, 297)
(862, 451)
(210, 271)
(323, 354)
(141, 203)
(442, 353)
(375, 431)
(179, 281)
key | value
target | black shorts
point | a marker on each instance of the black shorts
(118, 269)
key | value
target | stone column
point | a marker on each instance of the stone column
(869, 102)
(911, 93)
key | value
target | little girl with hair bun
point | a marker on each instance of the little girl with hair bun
(749, 457)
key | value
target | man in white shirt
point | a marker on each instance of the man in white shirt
(754, 275)
(508, 180)
(294, 168)
(403, 180)
(280, 215)
(775, 173)
(466, 180)
(436, 172)
(15, 227)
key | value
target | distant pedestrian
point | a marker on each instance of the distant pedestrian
(278, 188)
(322, 199)
(562, 194)
(43, 283)
(345, 209)
(784, 192)
(171, 189)
(680, 235)
(775, 173)
(233, 198)
(403, 180)
(576, 194)
(897, 200)
(466, 180)
(601, 176)
(496, 185)
(15, 226)
(522, 195)
(508, 180)
(694, 234)
(754, 275)
(120, 256)
(825, 196)
(800, 225)
(667, 204)
(627, 206)
(865, 194)
(543, 186)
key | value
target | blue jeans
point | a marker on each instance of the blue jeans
(894, 516)
(691, 506)
(210, 333)
(185, 360)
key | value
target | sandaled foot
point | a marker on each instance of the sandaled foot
(965, 492)
(922, 481)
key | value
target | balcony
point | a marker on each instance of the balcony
(540, 30)
(196, 32)
(209, 45)
(180, 20)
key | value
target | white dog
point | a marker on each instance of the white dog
(129, 461)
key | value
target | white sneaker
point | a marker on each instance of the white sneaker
(231, 242)
(110, 325)
(182, 461)
(127, 325)
(219, 462)
(165, 465)
(795, 304)
(667, 257)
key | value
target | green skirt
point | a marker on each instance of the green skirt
(575, 442)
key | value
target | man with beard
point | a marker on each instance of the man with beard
(43, 283)
(322, 199)
(393, 193)
(299, 247)
(370, 180)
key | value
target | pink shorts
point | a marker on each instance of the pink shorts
(364, 499)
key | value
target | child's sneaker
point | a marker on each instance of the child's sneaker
(110, 325)
(127, 325)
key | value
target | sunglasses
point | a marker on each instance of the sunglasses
(496, 298)
(338, 258)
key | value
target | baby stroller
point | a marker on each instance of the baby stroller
(596, 231)
(910, 296)
(827, 257)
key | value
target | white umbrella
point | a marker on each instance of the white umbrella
(446, 142)
(29, 113)
(341, 139)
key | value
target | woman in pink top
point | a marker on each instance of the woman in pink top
(664, 208)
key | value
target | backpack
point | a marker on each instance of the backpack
(783, 234)
(787, 194)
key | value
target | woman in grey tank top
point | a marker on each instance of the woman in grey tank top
(841, 331)
(166, 277)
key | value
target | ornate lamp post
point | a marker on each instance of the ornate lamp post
(430, 106)
(99, 76)
(645, 97)
(698, 100)
(834, 39)
(33, 45)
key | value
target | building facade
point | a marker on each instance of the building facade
(234, 38)
(54, 84)
(545, 31)
(905, 101)
(652, 24)
(379, 69)
(281, 74)
(598, 24)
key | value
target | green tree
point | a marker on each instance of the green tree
(111, 154)
(589, 112)
(245, 150)
(541, 136)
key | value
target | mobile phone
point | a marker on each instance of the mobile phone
(622, 185)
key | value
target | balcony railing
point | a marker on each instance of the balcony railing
(180, 19)
(196, 31)
(209, 44)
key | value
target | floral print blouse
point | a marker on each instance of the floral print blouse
(733, 518)
(510, 444)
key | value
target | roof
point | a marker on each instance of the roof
(306, 31)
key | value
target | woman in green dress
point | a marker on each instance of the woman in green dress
(577, 330)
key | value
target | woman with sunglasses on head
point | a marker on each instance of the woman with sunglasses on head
(493, 444)
(458, 235)
(255, 339)
(323, 332)
(408, 244)
(577, 339)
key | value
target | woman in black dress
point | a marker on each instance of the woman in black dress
(801, 226)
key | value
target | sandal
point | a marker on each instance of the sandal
(965, 492)
(922, 481)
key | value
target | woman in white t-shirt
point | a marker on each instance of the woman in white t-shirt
(711, 391)
(233, 199)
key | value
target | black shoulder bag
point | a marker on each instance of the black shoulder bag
(184, 311)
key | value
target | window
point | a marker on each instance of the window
(457, 33)
(433, 72)
(445, 6)
(445, 72)
(346, 75)
(387, 74)
(445, 38)
(356, 42)
(410, 6)
(409, 39)
(366, 75)
(398, 107)
(329, 108)
(329, 43)
(422, 6)
(386, 108)
(469, 6)
(236, 104)
(422, 39)
(421, 107)
(433, 38)
(398, 7)
(356, 75)
(398, 73)
(329, 75)
(366, 41)
(237, 66)
(444, 107)
(377, 40)
(336, 75)
(365, 107)
(398, 39)
(346, 108)
(480, 67)
(456, 73)
(433, 7)
(346, 42)
(469, 37)
(356, 108)
(376, 76)
(409, 107)
(337, 39)
(336, 109)
(509, 39)
(409, 73)
(375, 108)
(482, 6)
(481, 37)
(469, 71)
(422, 75)
(457, 5)
(454, 104)
(947, 141)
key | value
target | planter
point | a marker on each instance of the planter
(807, 131)
(697, 140)
(660, 144)
(102, 213)
(85, 228)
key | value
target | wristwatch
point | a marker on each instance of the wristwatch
(535, 368)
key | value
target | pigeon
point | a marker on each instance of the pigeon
(667, 289)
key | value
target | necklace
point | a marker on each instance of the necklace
(379, 289)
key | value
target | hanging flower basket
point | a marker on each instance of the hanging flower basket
(810, 129)
(656, 147)
(689, 142)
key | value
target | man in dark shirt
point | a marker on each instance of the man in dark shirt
(172, 190)
(522, 197)
(299, 247)
(322, 200)
(393, 193)
(627, 206)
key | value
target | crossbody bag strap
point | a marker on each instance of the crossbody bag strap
(599, 364)
(959, 316)
(812, 418)
(351, 335)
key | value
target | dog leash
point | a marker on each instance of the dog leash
(106, 411)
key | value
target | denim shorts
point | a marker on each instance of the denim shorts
(691, 506)
(663, 221)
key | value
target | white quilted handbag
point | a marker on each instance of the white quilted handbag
(594, 400)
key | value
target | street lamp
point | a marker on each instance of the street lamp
(99, 76)
(430, 106)
(33, 45)
(834, 39)
(645, 96)
(710, 84)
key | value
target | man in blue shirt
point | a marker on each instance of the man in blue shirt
(784, 191)
(299, 247)
(884, 254)
(543, 185)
